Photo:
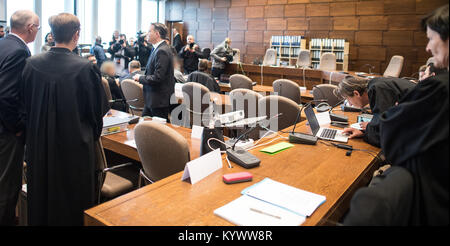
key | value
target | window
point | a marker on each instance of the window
(14, 5)
(128, 15)
(49, 8)
(84, 12)
(106, 19)
(149, 13)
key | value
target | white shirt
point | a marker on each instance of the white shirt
(158, 44)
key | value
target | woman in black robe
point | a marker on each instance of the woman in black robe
(414, 134)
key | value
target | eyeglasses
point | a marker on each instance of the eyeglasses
(37, 26)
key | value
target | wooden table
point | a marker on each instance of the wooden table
(317, 168)
(267, 74)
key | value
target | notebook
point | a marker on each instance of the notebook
(269, 203)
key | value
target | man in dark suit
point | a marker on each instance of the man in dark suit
(159, 79)
(177, 43)
(14, 51)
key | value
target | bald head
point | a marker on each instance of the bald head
(25, 23)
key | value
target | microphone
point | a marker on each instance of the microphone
(242, 157)
(302, 138)
(338, 117)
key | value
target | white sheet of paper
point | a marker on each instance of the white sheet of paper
(239, 213)
(178, 90)
(197, 132)
(296, 200)
(323, 118)
(302, 89)
(203, 166)
(131, 143)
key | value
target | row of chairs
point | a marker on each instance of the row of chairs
(328, 62)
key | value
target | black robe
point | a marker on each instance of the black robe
(383, 93)
(65, 103)
(414, 135)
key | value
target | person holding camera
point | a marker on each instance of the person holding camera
(143, 48)
(114, 45)
(124, 55)
(221, 55)
(190, 55)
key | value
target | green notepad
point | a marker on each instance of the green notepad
(276, 148)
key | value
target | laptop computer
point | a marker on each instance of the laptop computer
(323, 133)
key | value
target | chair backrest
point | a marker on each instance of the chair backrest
(196, 100)
(162, 150)
(107, 90)
(387, 201)
(304, 59)
(245, 99)
(204, 79)
(270, 58)
(395, 67)
(325, 91)
(272, 105)
(287, 88)
(328, 62)
(238, 81)
(133, 90)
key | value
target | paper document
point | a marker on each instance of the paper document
(297, 201)
(273, 149)
(248, 211)
(323, 118)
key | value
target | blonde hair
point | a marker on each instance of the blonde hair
(350, 84)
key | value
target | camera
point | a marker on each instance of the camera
(191, 45)
(121, 41)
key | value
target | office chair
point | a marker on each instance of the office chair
(287, 88)
(387, 201)
(238, 81)
(110, 185)
(107, 89)
(196, 100)
(133, 90)
(326, 92)
(162, 151)
(270, 59)
(247, 100)
(328, 62)
(304, 59)
(272, 105)
(395, 67)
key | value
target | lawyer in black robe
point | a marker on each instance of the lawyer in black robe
(65, 103)
(383, 93)
(414, 135)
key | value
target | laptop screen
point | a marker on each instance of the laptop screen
(312, 120)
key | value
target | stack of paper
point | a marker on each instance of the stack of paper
(271, 203)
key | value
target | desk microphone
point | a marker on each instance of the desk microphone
(241, 156)
(302, 138)
(338, 117)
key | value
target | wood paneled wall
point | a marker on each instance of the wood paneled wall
(376, 30)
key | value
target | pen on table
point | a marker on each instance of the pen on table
(261, 212)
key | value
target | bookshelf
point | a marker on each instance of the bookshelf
(287, 48)
(339, 47)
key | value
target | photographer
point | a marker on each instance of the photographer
(124, 55)
(190, 55)
(114, 45)
(143, 48)
(221, 55)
